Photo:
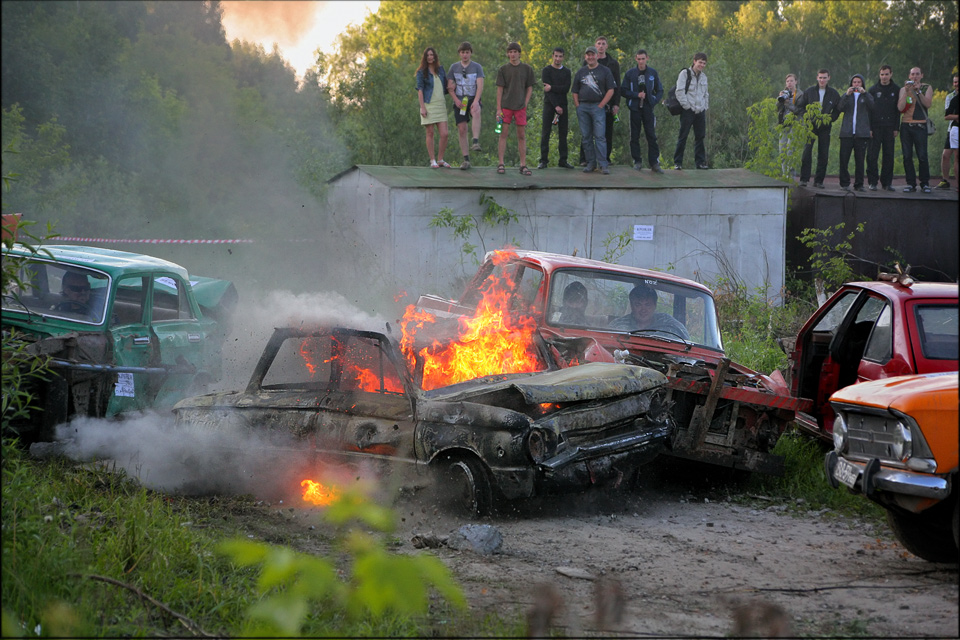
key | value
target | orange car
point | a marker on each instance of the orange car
(895, 440)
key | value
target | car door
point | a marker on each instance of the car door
(134, 346)
(181, 339)
(368, 390)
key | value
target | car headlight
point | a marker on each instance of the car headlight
(839, 433)
(536, 446)
(901, 445)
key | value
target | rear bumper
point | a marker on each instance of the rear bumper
(869, 477)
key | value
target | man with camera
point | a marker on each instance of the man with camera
(885, 125)
(828, 98)
(914, 101)
(855, 105)
(642, 89)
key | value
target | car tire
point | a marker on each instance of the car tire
(464, 487)
(928, 535)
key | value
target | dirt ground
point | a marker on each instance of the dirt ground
(670, 561)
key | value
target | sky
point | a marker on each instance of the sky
(298, 28)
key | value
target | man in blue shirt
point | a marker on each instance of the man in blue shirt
(642, 89)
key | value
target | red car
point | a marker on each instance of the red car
(870, 331)
(725, 414)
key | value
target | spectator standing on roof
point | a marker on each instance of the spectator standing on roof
(855, 105)
(465, 84)
(693, 96)
(556, 85)
(828, 98)
(431, 85)
(787, 103)
(642, 90)
(515, 82)
(593, 87)
(948, 153)
(884, 125)
(612, 107)
(914, 102)
(951, 115)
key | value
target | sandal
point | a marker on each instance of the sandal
(524, 171)
(445, 165)
(434, 165)
(500, 169)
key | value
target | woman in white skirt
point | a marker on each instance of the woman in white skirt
(432, 89)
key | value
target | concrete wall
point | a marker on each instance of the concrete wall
(698, 233)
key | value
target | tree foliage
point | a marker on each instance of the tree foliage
(144, 109)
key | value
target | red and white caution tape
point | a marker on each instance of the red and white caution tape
(154, 240)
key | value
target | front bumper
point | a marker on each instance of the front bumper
(869, 477)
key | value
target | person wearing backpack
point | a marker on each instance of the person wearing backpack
(694, 97)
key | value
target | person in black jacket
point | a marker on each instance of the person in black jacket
(556, 84)
(884, 125)
(855, 105)
(611, 110)
(642, 90)
(828, 98)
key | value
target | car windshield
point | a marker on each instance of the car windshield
(603, 301)
(59, 290)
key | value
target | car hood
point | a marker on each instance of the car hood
(897, 392)
(590, 381)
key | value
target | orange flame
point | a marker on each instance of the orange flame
(319, 494)
(493, 341)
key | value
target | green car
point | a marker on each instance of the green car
(124, 331)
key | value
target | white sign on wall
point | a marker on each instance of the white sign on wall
(643, 232)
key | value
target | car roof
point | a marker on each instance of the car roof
(553, 261)
(946, 290)
(109, 260)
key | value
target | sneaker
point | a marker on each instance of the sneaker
(943, 185)
(638, 166)
(803, 183)
(909, 189)
(476, 145)
(583, 164)
(542, 165)
(873, 187)
(702, 166)
(464, 165)
(926, 189)
(889, 188)
(589, 168)
(845, 187)
(818, 185)
(656, 169)
(605, 171)
(860, 189)
(566, 165)
(678, 167)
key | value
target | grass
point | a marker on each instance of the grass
(73, 536)
(805, 479)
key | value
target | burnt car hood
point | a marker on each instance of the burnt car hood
(590, 381)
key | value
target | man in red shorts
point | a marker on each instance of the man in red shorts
(515, 82)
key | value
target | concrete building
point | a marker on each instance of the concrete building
(703, 225)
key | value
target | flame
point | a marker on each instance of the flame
(319, 494)
(493, 341)
(354, 357)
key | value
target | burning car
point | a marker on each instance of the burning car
(895, 441)
(123, 331)
(487, 406)
(725, 414)
(871, 331)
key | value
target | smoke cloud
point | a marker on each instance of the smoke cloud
(195, 459)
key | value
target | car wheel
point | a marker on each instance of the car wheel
(463, 486)
(927, 535)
